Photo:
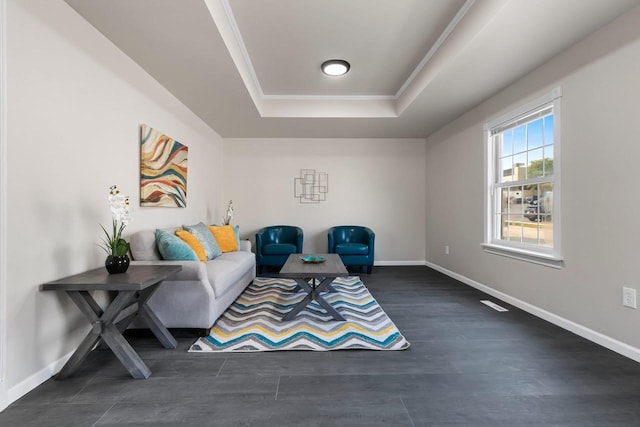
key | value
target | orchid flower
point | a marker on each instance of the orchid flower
(227, 219)
(113, 244)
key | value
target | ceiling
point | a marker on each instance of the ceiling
(251, 68)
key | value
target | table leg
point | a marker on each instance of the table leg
(91, 310)
(332, 311)
(116, 342)
(164, 336)
(149, 318)
(314, 294)
(298, 308)
(326, 284)
(125, 353)
(298, 287)
(79, 355)
(303, 284)
(105, 327)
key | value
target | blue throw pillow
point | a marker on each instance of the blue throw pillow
(236, 229)
(173, 248)
(202, 232)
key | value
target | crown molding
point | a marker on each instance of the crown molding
(360, 106)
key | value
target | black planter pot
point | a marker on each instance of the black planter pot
(117, 264)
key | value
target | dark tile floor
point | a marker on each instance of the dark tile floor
(468, 365)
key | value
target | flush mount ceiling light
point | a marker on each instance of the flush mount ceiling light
(335, 67)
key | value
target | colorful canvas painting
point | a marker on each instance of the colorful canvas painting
(163, 170)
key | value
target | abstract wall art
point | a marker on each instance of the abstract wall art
(311, 187)
(163, 170)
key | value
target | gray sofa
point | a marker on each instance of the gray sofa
(196, 296)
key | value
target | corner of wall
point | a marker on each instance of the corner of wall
(33, 381)
(612, 344)
(4, 401)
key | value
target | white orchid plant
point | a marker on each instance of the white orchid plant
(229, 216)
(113, 244)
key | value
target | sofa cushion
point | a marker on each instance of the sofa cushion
(352, 249)
(202, 232)
(144, 245)
(236, 230)
(173, 248)
(227, 269)
(278, 249)
(193, 242)
(225, 236)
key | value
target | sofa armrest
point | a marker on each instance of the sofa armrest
(372, 242)
(331, 242)
(191, 270)
(259, 242)
(299, 238)
(371, 236)
(245, 246)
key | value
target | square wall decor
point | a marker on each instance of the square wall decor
(163, 170)
(311, 186)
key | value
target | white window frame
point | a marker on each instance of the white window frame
(551, 257)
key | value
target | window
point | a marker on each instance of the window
(523, 182)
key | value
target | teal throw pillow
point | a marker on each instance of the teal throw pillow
(203, 234)
(236, 230)
(173, 248)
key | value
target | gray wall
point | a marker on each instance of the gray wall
(600, 80)
(379, 183)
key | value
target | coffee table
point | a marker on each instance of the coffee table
(322, 275)
(133, 289)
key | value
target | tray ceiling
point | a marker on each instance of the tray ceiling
(251, 68)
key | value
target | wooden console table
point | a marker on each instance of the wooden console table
(133, 290)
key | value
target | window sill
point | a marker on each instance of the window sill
(524, 255)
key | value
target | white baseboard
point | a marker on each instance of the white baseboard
(396, 263)
(594, 336)
(28, 384)
(4, 399)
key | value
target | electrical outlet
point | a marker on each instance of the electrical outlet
(629, 297)
(446, 250)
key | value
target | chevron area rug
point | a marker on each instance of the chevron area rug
(253, 322)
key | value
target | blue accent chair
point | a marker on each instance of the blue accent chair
(354, 243)
(275, 243)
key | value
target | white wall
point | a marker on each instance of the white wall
(379, 183)
(75, 103)
(600, 80)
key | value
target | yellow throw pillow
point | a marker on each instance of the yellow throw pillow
(193, 243)
(225, 236)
